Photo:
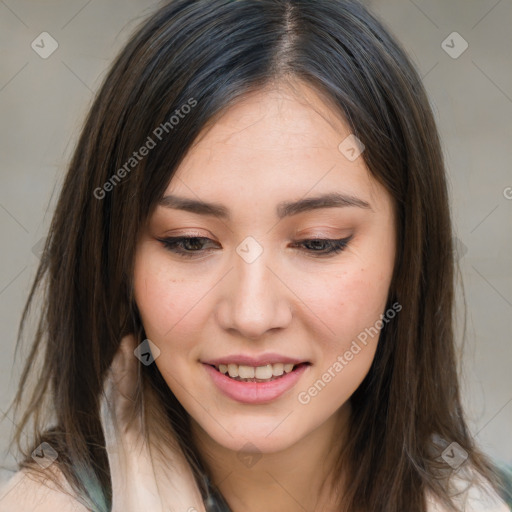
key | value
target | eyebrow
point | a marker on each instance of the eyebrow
(284, 209)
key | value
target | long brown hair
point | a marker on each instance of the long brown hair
(207, 54)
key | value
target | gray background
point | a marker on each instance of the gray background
(43, 103)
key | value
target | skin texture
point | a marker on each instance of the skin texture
(278, 144)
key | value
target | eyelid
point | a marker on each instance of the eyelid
(188, 234)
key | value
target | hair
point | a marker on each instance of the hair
(209, 54)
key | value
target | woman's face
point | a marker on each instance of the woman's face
(253, 289)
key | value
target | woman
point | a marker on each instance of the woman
(250, 281)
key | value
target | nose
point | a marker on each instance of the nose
(254, 299)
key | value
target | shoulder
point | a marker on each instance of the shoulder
(24, 492)
(474, 495)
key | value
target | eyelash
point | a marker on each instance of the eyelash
(171, 244)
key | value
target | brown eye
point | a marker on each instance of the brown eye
(186, 246)
(324, 246)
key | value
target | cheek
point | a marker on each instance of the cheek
(346, 302)
(350, 294)
(350, 308)
(164, 299)
(166, 306)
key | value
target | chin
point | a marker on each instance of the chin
(252, 436)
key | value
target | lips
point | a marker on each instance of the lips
(255, 380)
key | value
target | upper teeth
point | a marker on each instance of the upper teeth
(258, 372)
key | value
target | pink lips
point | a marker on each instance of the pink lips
(255, 392)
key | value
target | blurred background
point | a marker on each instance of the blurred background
(55, 54)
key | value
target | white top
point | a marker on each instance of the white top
(473, 497)
(22, 494)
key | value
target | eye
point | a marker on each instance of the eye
(324, 246)
(188, 247)
(185, 246)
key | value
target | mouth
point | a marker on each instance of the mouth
(265, 373)
(255, 380)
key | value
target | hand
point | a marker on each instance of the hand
(145, 477)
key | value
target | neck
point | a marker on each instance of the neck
(296, 478)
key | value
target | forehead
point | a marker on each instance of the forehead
(273, 144)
